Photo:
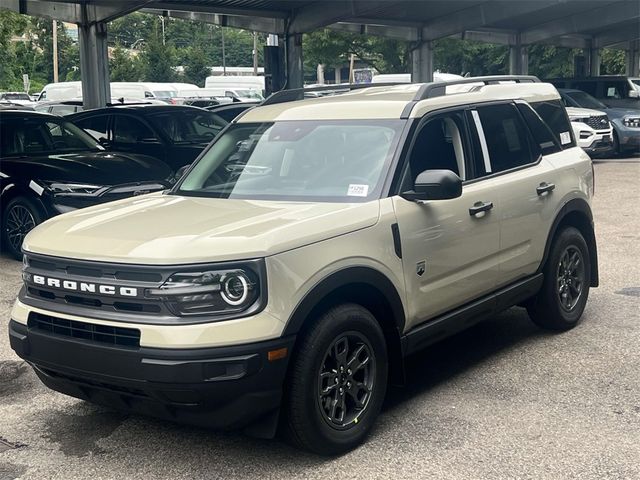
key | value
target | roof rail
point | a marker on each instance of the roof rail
(438, 89)
(298, 93)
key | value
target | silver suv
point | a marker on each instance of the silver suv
(312, 247)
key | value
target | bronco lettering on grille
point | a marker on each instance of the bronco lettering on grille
(85, 287)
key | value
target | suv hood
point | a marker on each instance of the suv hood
(171, 229)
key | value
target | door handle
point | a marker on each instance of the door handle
(545, 187)
(480, 207)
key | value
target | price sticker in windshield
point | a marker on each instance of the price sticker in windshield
(356, 190)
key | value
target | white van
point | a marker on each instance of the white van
(62, 91)
(243, 87)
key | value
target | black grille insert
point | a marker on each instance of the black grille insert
(600, 122)
(125, 337)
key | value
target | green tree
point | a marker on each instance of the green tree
(196, 66)
(11, 24)
(123, 67)
(333, 49)
(612, 62)
(157, 58)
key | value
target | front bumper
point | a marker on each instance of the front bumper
(601, 145)
(220, 387)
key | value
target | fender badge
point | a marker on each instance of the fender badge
(421, 267)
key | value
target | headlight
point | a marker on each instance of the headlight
(60, 187)
(579, 119)
(633, 122)
(210, 292)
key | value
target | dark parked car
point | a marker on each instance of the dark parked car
(230, 111)
(175, 134)
(50, 166)
(625, 121)
(613, 90)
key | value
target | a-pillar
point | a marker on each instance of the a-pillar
(422, 63)
(94, 65)
(295, 77)
(633, 59)
(518, 59)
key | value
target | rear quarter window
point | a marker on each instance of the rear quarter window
(553, 113)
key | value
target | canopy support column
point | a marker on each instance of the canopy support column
(295, 76)
(94, 64)
(422, 63)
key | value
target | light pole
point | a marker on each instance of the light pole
(55, 51)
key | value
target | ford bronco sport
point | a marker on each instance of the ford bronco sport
(311, 247)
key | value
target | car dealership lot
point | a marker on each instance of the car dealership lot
(502, 400)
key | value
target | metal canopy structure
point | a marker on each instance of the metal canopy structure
(585, 24)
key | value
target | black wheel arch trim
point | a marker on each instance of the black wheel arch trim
(19, 190)
(334, 281)
(579, 206)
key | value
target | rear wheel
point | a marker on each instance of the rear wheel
(567, 277)
(337, 381)
(19, 217)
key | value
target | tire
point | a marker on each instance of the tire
(567, 276)
(19, 217)
(311, 421)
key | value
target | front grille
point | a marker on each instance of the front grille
(599, 122)
(135, 276)
(124, 337)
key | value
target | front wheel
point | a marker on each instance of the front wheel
(19, 217)
(567, 276)
(337, 381)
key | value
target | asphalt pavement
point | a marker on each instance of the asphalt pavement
(503, 400)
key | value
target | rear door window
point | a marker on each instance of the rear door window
(131, 130)
(96, 126)
(505, 142)
(615, 89)
(539, 130)
(555, 116)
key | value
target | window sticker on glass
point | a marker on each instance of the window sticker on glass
(565, 137)
(611, 92)
(356, 190)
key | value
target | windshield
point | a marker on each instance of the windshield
(15, 96)
(340, 161)
(30, 135)
(188, 126)
(584, 100)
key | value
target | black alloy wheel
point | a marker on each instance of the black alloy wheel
(570, 278)
(346, 380)
(18, 218)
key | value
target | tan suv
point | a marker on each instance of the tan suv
(312, 246)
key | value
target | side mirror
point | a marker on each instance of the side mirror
(634, 94)
(435, 185)
(104, 142)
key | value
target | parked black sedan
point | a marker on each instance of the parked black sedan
(50, 166)
(175, 134)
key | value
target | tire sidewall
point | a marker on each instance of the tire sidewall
(334, 323)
